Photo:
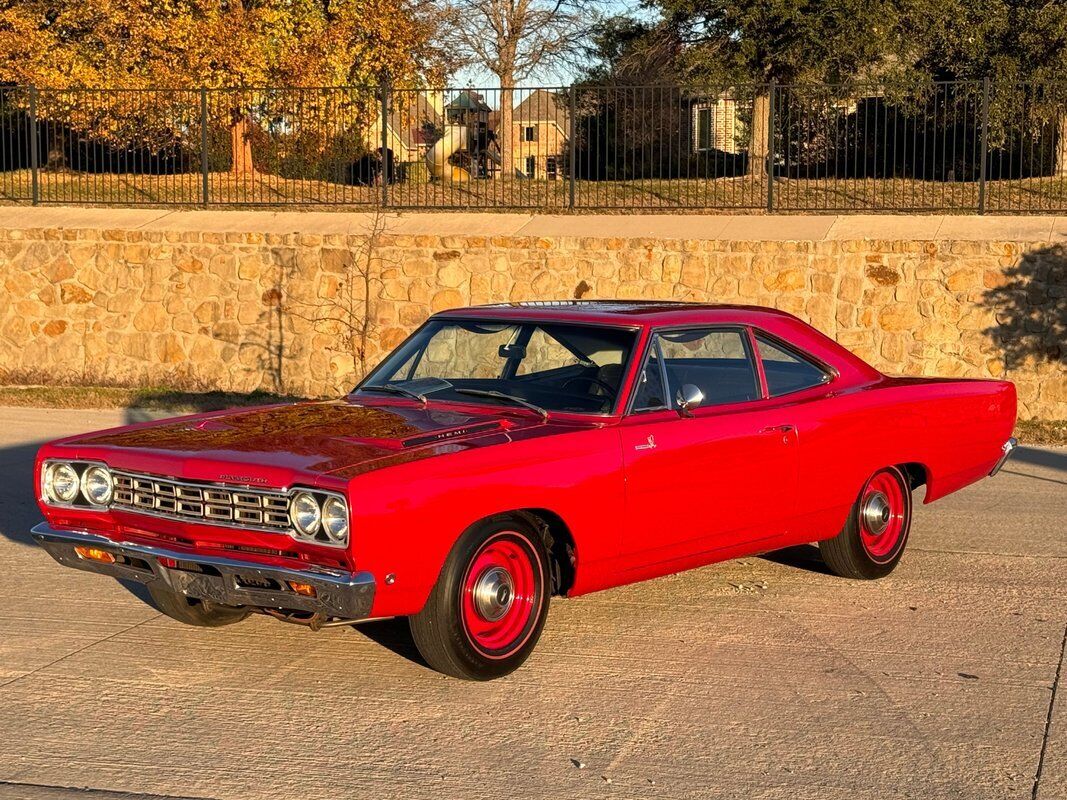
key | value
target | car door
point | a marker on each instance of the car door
(797, 381)
(718, 474)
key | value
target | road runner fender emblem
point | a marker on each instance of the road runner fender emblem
(650, 444)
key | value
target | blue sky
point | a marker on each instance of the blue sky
(481, 78)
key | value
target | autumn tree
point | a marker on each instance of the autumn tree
(513, 40)
(135, 44)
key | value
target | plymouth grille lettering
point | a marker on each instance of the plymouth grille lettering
(241, 478)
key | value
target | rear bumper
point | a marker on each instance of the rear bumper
(227, 581)
(1006, 451)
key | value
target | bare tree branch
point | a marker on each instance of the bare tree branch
(514, 40)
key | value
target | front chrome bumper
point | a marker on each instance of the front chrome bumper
(227, 581)
(1009, 445)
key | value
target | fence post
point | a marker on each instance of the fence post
(35, 189)
(205, 182)
(572, 158)
(770, 146)
(386, 164)
(984, 146)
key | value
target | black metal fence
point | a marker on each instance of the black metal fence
(948, 147)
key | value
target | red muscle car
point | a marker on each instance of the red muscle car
(504, 454)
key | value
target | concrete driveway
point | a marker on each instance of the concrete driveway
(760, 678)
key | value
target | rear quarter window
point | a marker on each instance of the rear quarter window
(787, 371)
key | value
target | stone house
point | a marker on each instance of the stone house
(539, 131)
(414, 123)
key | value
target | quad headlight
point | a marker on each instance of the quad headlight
(335, 519)
(305, 514)
(85, 484)
(97, 485)
(61, 482)
(319, 516)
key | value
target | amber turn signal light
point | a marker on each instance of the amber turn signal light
(305, 589)
(95, 554)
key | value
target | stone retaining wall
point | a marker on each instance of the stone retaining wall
(240, 311)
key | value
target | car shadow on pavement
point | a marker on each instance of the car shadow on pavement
(394, 635)
(801, 556)
(1052, 459)
(18, 501)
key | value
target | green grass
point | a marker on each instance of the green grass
(749, 194)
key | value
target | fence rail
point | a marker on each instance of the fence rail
(958, 147)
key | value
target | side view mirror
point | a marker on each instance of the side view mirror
(688, 398)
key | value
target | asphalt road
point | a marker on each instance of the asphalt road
(759, 678)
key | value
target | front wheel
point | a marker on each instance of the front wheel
(201, 613)
(873, 539)
(489, 605)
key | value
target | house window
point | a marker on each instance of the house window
(715, 126)
(551, 170)
(704, 131)
(531, 166)
(529, 134)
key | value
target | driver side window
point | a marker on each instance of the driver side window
(717, 361)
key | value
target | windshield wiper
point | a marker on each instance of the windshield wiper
(392, 388)
(502, 396)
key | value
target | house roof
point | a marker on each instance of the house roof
(468, 99)
(542, 105)
(410, 116)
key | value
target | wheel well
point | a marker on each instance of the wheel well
(559, 541)
(915, 472)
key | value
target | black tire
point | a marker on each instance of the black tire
(201, 613)
(441, 630)
(852, 553)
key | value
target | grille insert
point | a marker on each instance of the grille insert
(246, 508)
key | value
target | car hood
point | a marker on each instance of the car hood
(272, 443)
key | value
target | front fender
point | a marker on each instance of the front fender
(407, 517)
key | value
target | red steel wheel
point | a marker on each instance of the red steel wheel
(874, 536)
(501, 591)
(489, 605)
(883, 517)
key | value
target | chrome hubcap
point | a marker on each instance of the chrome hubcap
(876, 513)
(493, 594)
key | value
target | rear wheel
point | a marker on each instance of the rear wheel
(202, 613)
(873, 539)
(489, 605)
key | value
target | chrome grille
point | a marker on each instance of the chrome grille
(246, 508)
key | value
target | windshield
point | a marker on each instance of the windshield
(544, 366)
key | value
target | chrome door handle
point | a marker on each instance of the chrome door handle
(778, 429)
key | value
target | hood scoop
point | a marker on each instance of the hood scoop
(453, 433)
(436, 437)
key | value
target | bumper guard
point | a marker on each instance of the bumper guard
(1006, 451)
(227, 581)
